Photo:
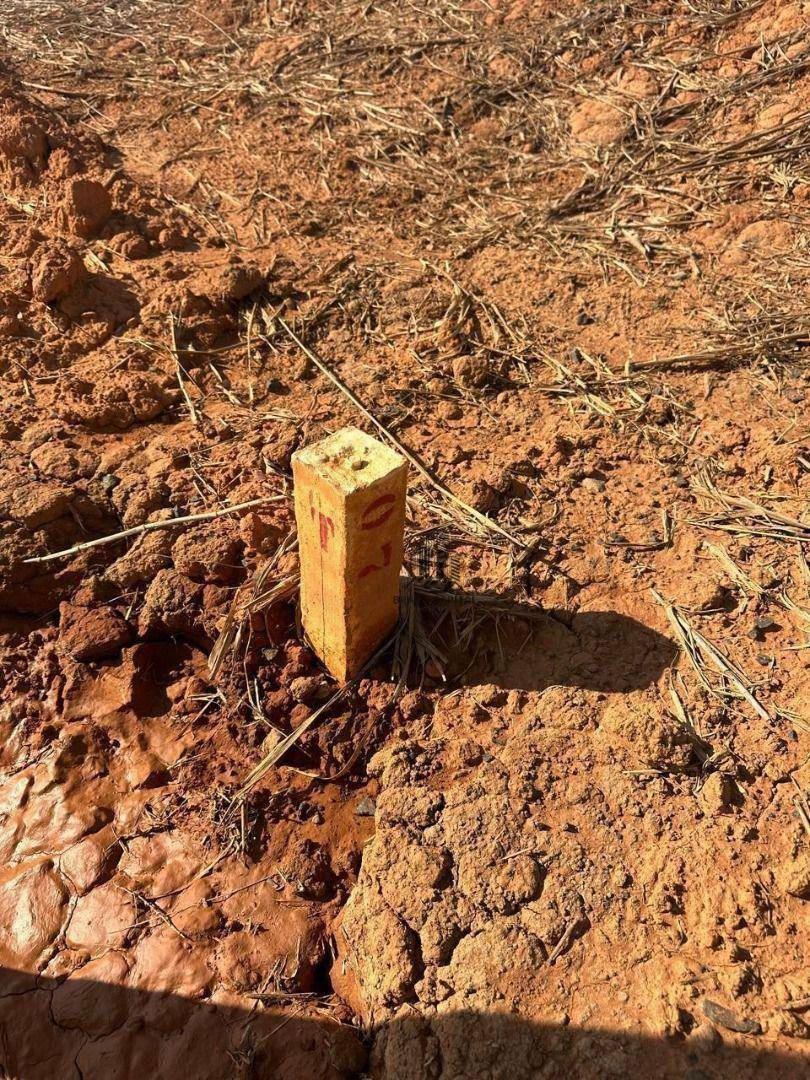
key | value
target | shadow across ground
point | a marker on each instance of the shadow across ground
(93, 1030)
(523, 647)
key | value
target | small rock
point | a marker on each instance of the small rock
(87, 207)
(449, 410)
(62, 463)
(210, 554)
(593, 484)
(413, 704)
(297, 715)
(270, 742)
(366, 807)
(130, 244)
(761, 626)
(239, 280)
(719, 1014)
(308, 688)
(307, 869)
(170, 239)
(34, 505)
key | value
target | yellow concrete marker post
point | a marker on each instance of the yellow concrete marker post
(350, 510)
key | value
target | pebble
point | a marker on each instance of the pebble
(92, 634)
(719, 1014)
(366, 807)
(593, 484)
(794, 875)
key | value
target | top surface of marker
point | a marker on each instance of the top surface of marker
(350, 459)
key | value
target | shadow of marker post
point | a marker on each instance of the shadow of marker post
(532, 648)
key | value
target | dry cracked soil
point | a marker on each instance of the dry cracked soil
(561, 827)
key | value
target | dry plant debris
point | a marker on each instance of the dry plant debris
(556, 255)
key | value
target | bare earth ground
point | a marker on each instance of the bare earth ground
(560, 253)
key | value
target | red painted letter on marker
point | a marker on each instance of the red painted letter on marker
(372, 567)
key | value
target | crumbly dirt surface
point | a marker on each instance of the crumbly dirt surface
(562, 828)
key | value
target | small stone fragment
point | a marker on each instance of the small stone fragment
(210, 553)
(87, 207)
(366, 807)
(239, 280)
(719, 1014)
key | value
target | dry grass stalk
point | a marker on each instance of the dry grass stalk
(280, 749)
(260, 770)
(152, 526)
(743, 516)
(744, 582)
(751, 588)
(709, 661)
(459, 505)
(413, 646)
(262, 594)
(180, 372)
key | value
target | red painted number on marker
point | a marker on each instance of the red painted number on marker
(373, 567)
(326, 526)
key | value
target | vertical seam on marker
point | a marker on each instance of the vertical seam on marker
(322, 642)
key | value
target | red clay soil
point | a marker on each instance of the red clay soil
(562, 829)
